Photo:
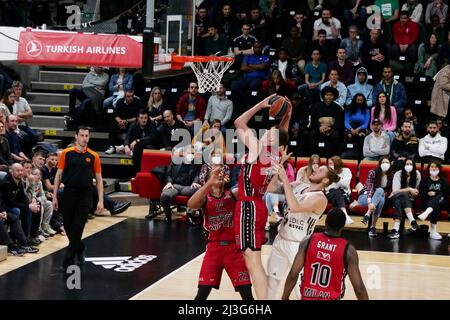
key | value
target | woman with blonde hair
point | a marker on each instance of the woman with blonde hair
(156, 105)
(305, 172)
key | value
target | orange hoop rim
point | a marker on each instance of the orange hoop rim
(179, 59)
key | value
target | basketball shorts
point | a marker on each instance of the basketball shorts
(250, 219)
(281, 258)
(219, 257)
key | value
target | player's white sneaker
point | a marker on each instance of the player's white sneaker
(435, 235)
(349, 220)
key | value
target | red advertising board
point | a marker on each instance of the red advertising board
(79, 49)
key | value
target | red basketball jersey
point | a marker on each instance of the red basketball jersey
(219, 217)
(255, 177)
(325, 268)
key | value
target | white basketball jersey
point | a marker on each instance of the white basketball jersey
(298, 225)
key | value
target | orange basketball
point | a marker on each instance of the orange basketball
(279, 106)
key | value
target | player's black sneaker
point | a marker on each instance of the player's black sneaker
(393, 234)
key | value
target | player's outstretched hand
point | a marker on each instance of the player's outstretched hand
(282, 174)
(265, 102)
(284, 155)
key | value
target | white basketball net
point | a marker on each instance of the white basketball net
(209, 74)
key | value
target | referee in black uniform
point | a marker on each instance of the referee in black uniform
(77, 168)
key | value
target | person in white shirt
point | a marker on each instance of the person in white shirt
(405, 187)
(338, 193)
(219, 107)
(335, 83)
(328, 23)
(306, 203)
(433, 146)
(377, 143)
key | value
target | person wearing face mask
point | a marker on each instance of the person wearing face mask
(305, 172)
(433, 146)
(433, 191)
(378, 183)
(338, 193)
(405, 186)
(216, 161)
(182, 178)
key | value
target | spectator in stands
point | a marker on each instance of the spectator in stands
(406, 35)
(16, 201)
(227, 23)
(372, 195)
(297, 48)
(7, 103)
(405, 186)
(215, 44)
(386, 113)
(243, 44)
(38, 159)
(202, 20)
(444, 130)
(255, 68)
(140, 135)
(118, 84)
(156, 105)
(356, 14)
(338, 85)
(444, 52)
(414, 9)
(343, 66)
(327, 122)
(276, 84)
(36, 217)
(303, 27)
(357, 117)
(49, 171)
(389, 9)
(305, 172)
(360, 86)
(428, 56)
(315, 4)
(440, 97)
(92, 93)
(210, 139)
(377, 143)
(433, 146)
(258, 23)
(353, 46)
(128, 23)
(315, 72)
(13, 138)
(331, 25)
(405, 145)
(125, 114)
(168, 128)
(436, 7)
(433, 191)
(21, 108)
(394, 90)
(338, 193)
(219, 107)
(284, 64)
(437, 28)
(191, 107)
(12, 221)
(327, 47)
(374, 54)
(5, 153)
(181, 179)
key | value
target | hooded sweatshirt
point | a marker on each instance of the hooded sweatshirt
(364, 88)
(433, 146)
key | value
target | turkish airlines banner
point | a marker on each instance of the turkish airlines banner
(79, 49)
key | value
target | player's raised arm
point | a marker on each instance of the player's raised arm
(244, 133)
(197, 200)
(355, 275)
(297, 266)
(284, 123)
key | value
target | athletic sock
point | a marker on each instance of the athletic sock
(433, 227)
(397, 225)
(410, 216)
(424, 215)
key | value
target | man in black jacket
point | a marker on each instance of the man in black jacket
(182, 178)
(5, 153)
(13, 193)
(141, 135)
(167, 129)
(11, 220)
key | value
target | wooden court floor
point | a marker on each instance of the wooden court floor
(386, 275)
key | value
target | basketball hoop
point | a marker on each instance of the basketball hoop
(208, 69)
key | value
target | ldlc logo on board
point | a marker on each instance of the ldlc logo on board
(34, 48)
(122, 264)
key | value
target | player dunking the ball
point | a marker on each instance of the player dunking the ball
(256, 173)
(306, 204)
(221, 253)
(326, 259)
